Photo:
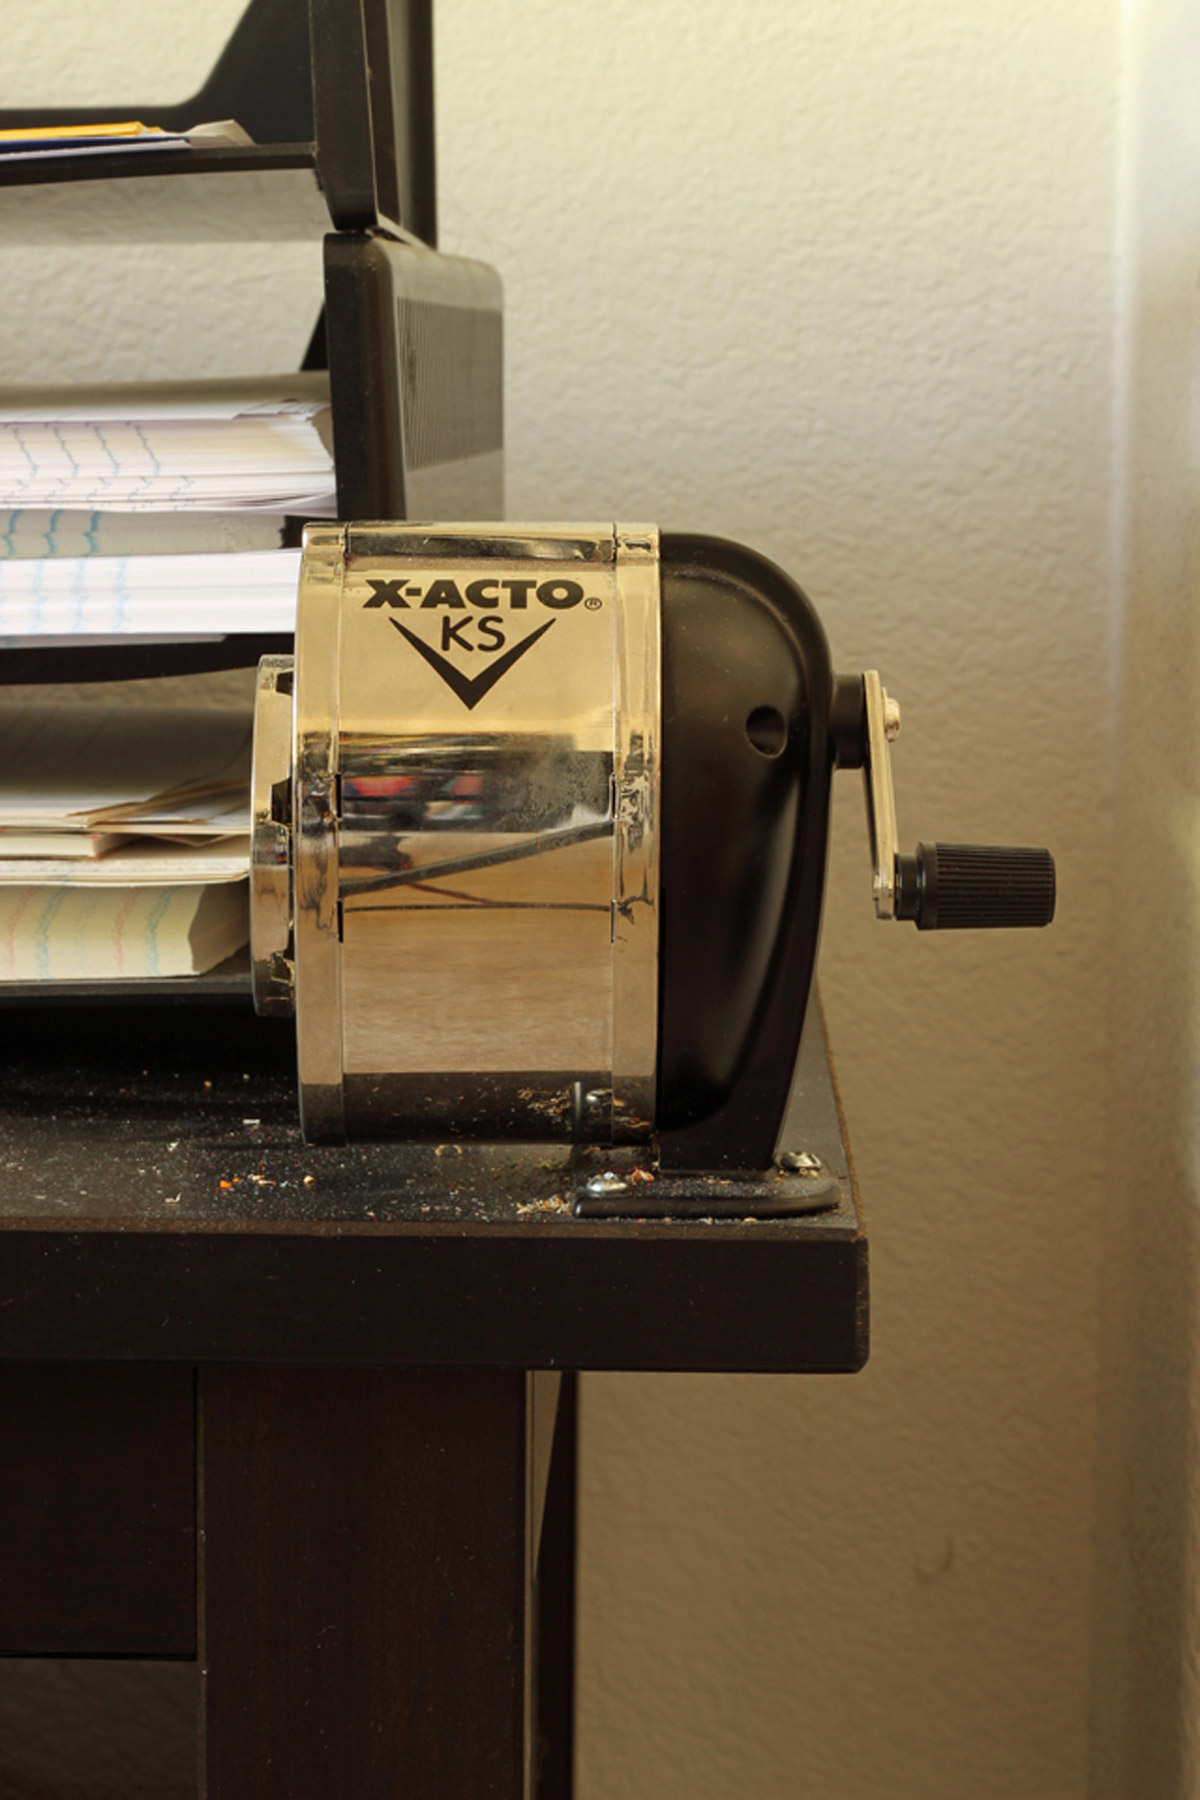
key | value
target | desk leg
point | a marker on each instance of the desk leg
(365, 1596)
(555, 1601)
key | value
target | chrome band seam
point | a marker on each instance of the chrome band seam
(315, 838)
(638, 715)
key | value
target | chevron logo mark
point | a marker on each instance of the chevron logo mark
(471, 689)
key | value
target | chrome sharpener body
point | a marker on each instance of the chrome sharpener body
(455, 841)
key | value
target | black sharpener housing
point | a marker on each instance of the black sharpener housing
(747, 761)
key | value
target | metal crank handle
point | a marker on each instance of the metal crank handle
(944, 887)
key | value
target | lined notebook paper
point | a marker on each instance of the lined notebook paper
(115, 934)
(148, 596)
(39, 531)
(165, 446)
(133, 513)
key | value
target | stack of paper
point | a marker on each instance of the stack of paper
(148, 596)
(28, 142)
(66, 859)
(98, 765)
(155, 510)
(144, 811)
(30, 532)
(113, 934)
(167, 446)
(124, 846)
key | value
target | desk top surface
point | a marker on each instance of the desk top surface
(157, 1201)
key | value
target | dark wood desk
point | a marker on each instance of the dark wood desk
(291, 1411)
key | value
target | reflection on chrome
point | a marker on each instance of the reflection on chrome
(409, 875)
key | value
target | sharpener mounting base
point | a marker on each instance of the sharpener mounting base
(619, 1184)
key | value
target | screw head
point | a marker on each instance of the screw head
(798, 1162)
(607, 1182)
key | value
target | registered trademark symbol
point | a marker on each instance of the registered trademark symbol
(593, 604)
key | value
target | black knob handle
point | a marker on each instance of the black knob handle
(974, 887)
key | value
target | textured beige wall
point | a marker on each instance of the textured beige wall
(107, 312)
(838, 280)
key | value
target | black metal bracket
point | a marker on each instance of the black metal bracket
(626, 1184)
(372, 83)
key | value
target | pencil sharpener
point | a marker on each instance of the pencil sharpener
(540, 821)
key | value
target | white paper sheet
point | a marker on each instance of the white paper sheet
(150, 863)
(96, 764)
(264, 445)
(102, 596)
